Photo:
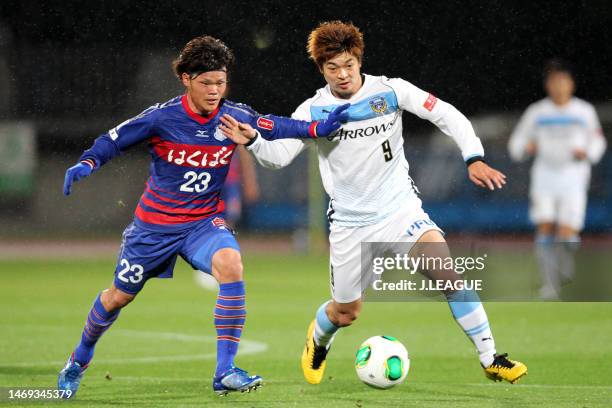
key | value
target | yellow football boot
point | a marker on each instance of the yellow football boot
(504, 369)
(313, 358)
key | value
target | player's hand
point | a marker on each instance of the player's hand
(484, 176)
(75, 173)
(579, 154)
(333, 122)
(238, 132)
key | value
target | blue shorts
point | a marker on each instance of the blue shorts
(146, 254)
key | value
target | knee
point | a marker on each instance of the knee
(545, 229)
(113, 299)
(345, 316)
(227, 266)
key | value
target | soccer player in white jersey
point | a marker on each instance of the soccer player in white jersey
(373, 199)
(564, 136)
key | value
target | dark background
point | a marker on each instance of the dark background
(76, 69)
(481, 56)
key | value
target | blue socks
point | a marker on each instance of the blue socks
(230, 315)
(98, 321)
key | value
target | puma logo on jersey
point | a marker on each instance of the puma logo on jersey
(417, 225)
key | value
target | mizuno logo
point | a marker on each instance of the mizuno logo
(201, 133)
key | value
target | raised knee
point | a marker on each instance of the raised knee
(113, 299)
(346, 317)
(227, 266)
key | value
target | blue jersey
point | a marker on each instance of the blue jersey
(190, 157)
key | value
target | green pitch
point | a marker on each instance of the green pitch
(161, 350)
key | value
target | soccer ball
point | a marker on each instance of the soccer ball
(382, 362)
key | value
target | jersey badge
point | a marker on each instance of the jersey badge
(430, 102)
(219, 135)
(219, 223)
(378, 104)
(265, 123)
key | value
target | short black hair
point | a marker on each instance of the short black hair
(557, 65)
(203, 54)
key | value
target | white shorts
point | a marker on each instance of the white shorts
(408, 224)
(568, 210)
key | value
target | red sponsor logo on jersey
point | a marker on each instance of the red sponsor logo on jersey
(219, 222)
(430, 102)
(186, 155)
(265, 123)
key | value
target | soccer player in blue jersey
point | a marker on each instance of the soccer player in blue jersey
(179, 212)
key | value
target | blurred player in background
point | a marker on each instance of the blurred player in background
(373, 199)
(563, 134)
(240, 188)
(180, 211)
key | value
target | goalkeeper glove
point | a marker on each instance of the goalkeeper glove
(75, 173)
(333, 122)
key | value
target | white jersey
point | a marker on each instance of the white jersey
(557, 132)
(363, 166)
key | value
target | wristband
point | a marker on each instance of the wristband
(474, 160)
(250, 142)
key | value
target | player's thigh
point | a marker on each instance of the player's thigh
(202, 243)
(347, 280)
(542, 208)
(144, 255)
(410, 231)
(408, 225)
(572, 211)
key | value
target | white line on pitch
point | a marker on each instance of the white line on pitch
(568, 386)
(246, 347)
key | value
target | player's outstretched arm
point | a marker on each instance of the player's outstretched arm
(272, 154)
(276, 127)
(76, 173)
(111, 144)
(485, 176)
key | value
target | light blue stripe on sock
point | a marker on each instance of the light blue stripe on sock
(463, 302)
(478, 329)
(323, 321)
